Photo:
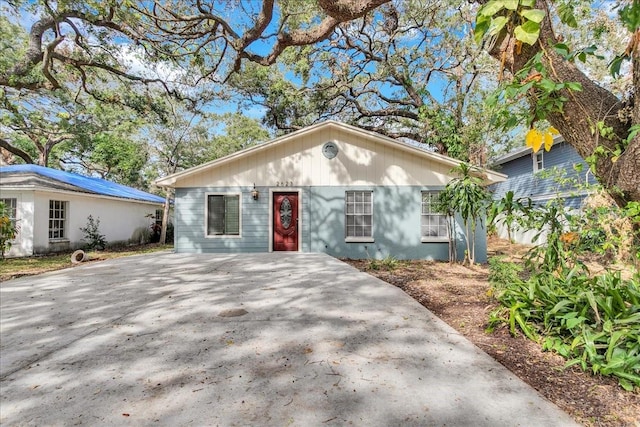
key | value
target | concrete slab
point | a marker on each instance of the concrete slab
(237, 340)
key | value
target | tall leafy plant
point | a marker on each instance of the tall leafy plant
(470, 200)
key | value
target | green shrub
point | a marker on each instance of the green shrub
(389, 263)
(92, 237)
(8, 230)
(502, 273)
(594, 322)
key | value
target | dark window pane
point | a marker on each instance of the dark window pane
(215, 215)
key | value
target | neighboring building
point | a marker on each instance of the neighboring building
(330, 188)
(50, 206)
(542, 176)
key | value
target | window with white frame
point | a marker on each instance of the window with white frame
(57, 219)
(538, 161)
(223, 215)
(359, 215)
(11, 209)
(433, 223)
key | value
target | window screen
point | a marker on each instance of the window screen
(57, 219)
(223, 215)
(359, 213)
(433, 223)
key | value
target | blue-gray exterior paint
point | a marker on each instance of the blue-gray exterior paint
(524, 182)
(396, 224)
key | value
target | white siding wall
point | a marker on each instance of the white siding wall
(300, 162)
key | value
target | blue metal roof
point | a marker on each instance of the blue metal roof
(93, 185)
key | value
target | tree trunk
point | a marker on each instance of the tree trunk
(468, 240)
(578, 123)
(165, 217)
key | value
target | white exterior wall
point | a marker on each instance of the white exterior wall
(118, 218)
(23, 244)
(300, 162)
(523, 237)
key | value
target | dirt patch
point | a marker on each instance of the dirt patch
(460, 296)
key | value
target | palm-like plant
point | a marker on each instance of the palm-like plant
(470, 200)
(509, 211)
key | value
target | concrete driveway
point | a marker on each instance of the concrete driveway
(239, 340)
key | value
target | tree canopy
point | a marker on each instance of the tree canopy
(408, 69)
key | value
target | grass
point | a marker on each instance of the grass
(16, 267)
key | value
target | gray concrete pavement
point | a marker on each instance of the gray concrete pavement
(164, 339)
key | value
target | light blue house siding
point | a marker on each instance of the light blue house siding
(345, 181)
(190, 222)
(396, 224)
(524, 182)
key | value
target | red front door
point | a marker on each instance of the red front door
(285, 221)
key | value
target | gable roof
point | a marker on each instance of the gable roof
(83, 184)
(170, 180)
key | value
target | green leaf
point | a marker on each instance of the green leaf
(566, 15)
(613, 340)
(562, 49)
(575, 86)
(535, 15)
(630, 16)
(510, 4)
(491, 8)
(528, 32)
(582, 57)
(497, 24)
(482, 25)
(614, 65)
(590, 50)
(528, 3)
(547, 85)
(572, 323)
(560, 305)
(633, 132)
(627, 385)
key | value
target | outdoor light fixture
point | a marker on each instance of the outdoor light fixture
(255, 193)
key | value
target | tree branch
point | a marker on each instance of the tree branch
(15, 150)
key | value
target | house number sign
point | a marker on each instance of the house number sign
(284, 183)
